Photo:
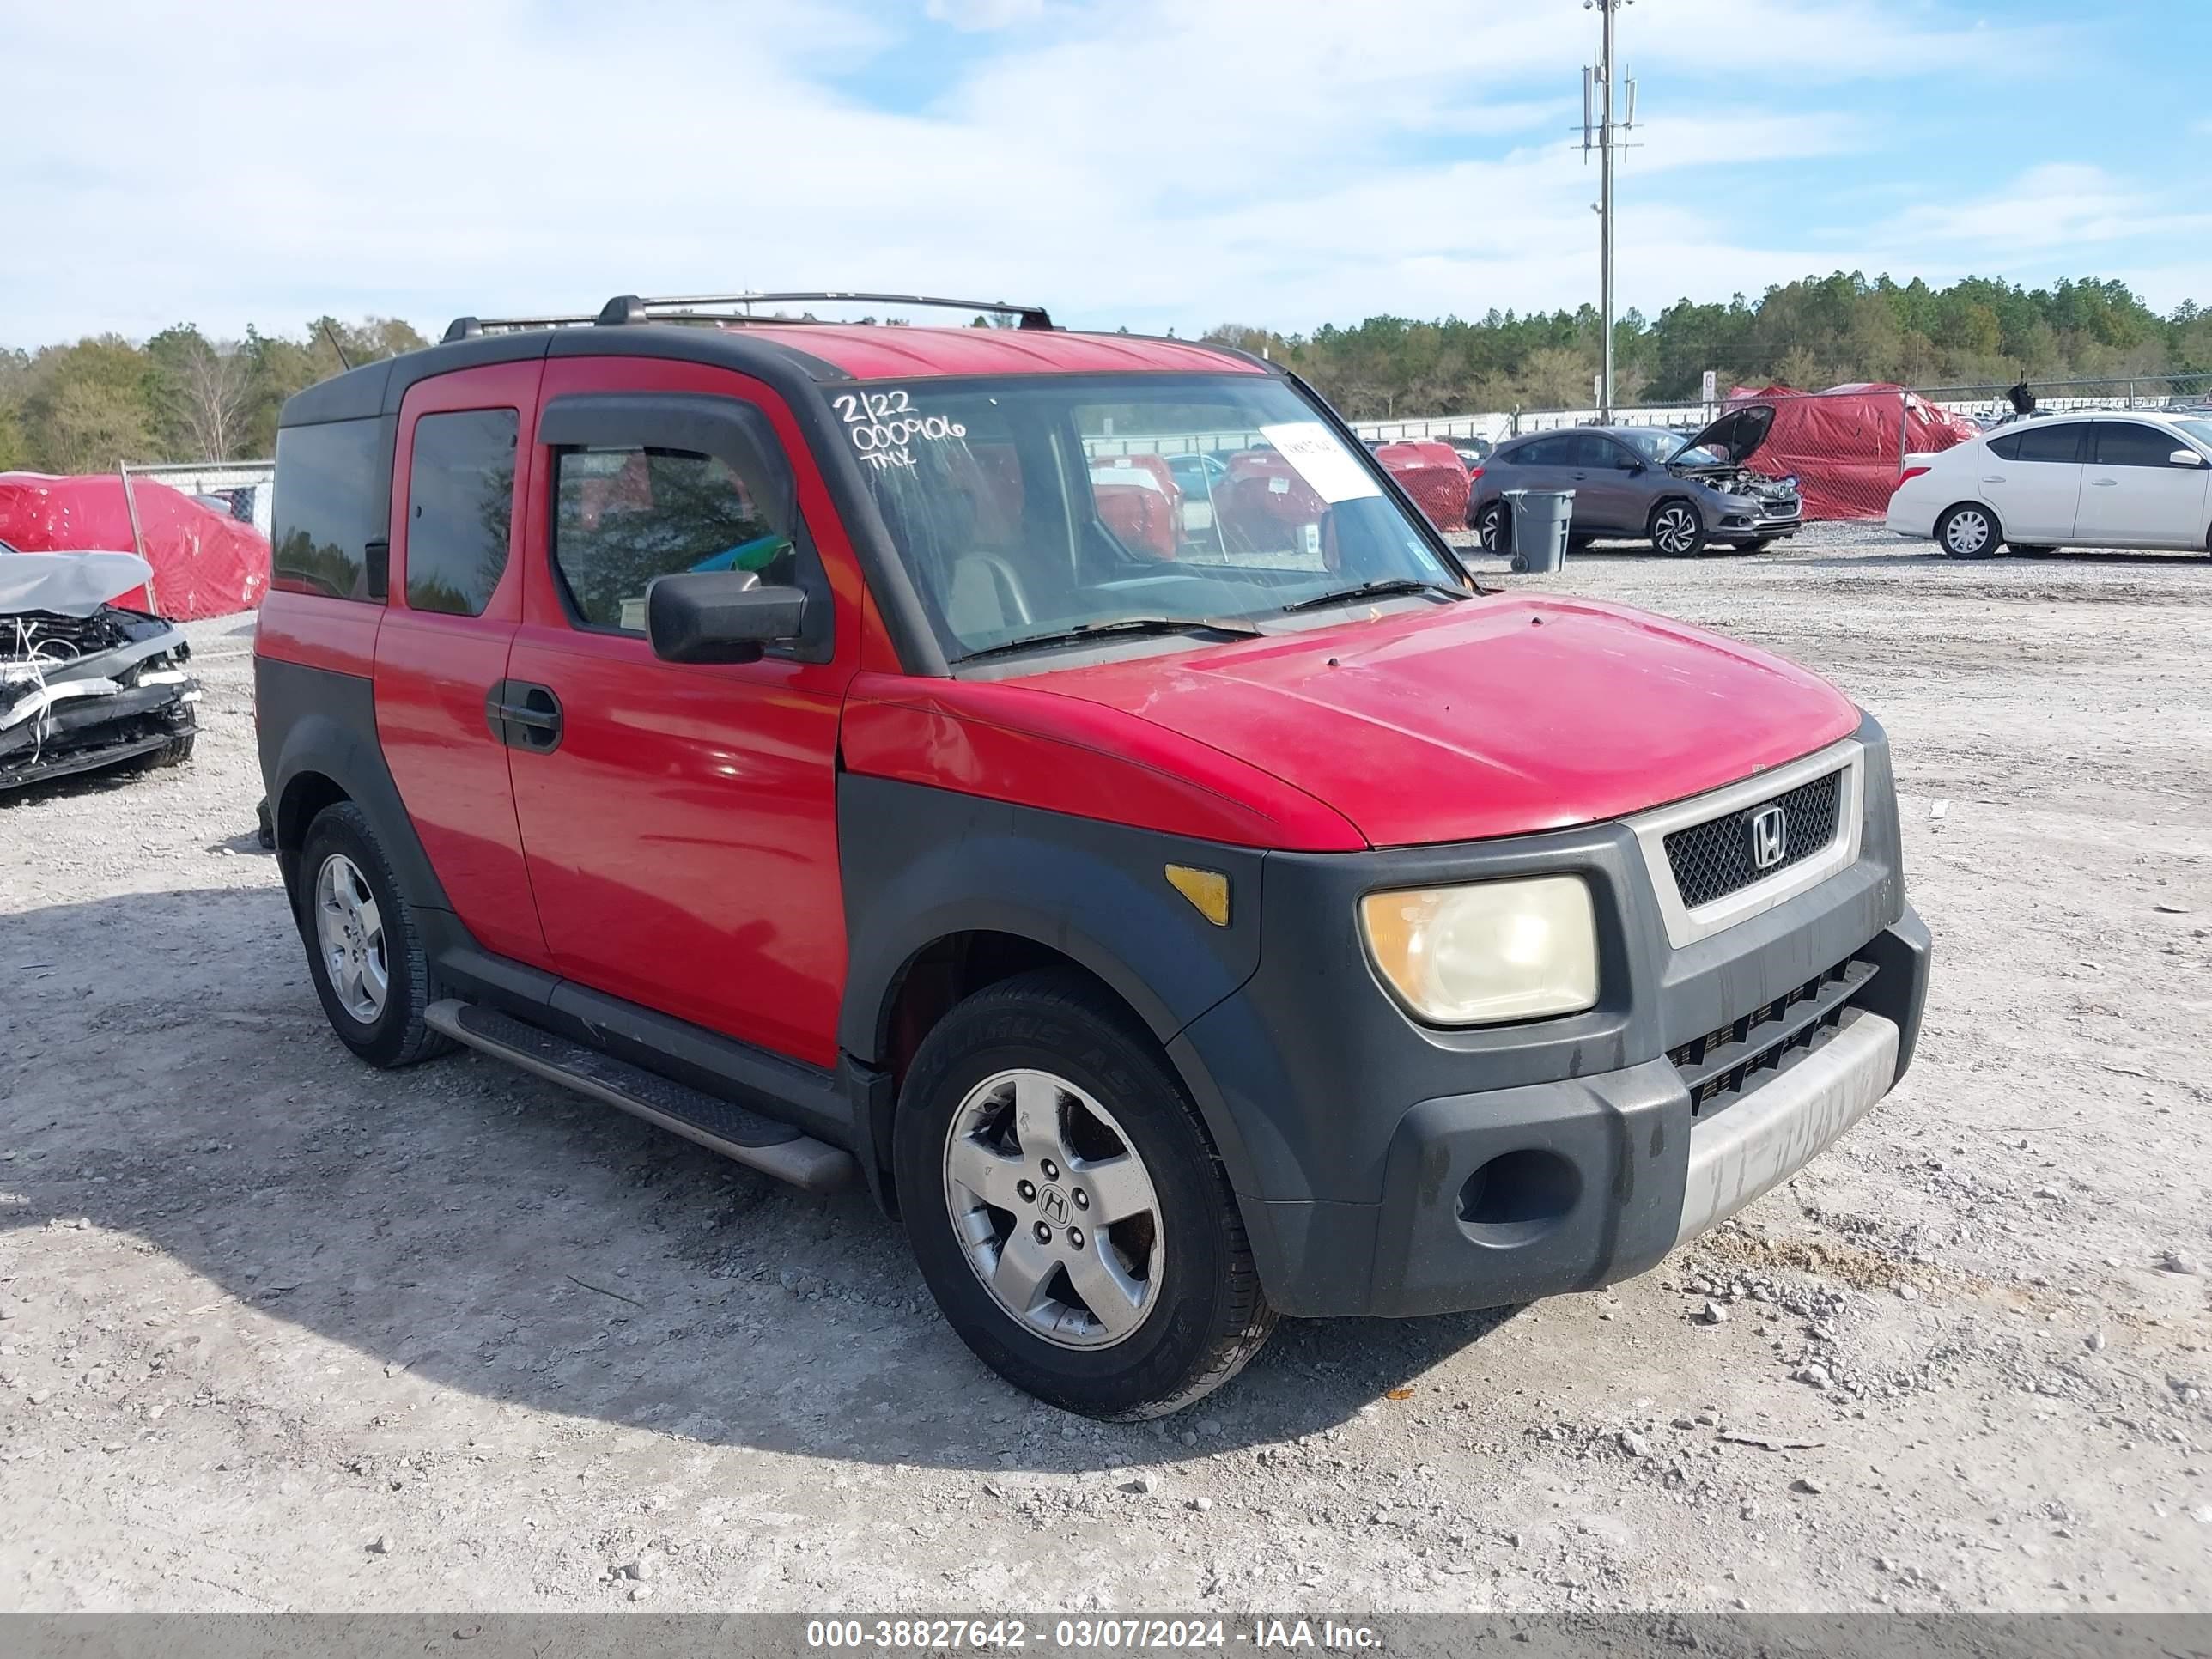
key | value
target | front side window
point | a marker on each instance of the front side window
(1029, 505)
(1590, 451)
(2127, 443)
(622, 516)
(460, 508)
(1653, 444)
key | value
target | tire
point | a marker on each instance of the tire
(1036, 1088)
(175, 752)
(343, 873)
(1493, 528)
(1969, 531)
(1677, 528)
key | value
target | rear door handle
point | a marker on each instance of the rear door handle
(1992, 477)
(524, 716)
(2104, 483)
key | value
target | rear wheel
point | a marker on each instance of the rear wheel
(1067, 1207)
(1677, 529)
(370, 970)
(1493, 528)
(1969, 532)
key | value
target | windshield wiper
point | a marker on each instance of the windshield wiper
(1376, 590)
(1084, 631)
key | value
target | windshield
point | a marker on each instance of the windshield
(2200, 430)
(1033, 505)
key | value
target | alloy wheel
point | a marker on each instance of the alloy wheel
(1675, 529)
(1054, 1209)
(349, 934)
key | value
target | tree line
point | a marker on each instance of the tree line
(183, 395)
(1819, 331)
(180, 396)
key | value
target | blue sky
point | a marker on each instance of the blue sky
(1151, 163)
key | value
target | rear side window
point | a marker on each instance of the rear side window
(332, 499)
(460, 504)
(1544, 451)
(2124, 443)
(622, 516)
(2062, 444)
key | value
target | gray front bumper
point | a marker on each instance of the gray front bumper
(1791, 1118)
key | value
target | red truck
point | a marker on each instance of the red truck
(760, 727)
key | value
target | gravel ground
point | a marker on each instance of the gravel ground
(280, 1332)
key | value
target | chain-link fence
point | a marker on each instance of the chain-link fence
(1846, 446)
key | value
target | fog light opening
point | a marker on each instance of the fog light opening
(1517, 1197)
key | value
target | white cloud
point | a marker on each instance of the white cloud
(2057, 205)
(976, 16)
(1149, 162)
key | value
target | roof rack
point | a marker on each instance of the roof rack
(728, 308)
(468, 328)
(631, 308)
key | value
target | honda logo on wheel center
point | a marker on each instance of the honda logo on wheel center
(1052, 1205)
(1770, 838)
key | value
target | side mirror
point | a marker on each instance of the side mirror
(2186, 457)
(719, 615)
(1631, 467)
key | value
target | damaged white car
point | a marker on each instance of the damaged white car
(85, 684)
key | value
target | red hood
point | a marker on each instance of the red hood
(1497, 717)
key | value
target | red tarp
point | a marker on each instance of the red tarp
(1434, 476)
(1265, 504)
(1843, 443)
(204, 564)
(1140, 501)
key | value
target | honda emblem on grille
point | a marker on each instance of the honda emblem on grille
(1770, 838)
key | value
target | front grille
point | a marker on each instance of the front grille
(1780, 509)
(1714, 859)
(1723, 1065)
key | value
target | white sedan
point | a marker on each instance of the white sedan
(2099, 478)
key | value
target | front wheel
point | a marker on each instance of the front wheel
(1067, 1207)
(1677, 529)
(1969, 532)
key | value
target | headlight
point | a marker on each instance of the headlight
(1494, 950)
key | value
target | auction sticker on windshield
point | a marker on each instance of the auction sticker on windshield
(884, 426)
(1322, 460)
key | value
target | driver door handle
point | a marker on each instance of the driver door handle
(2104, 483)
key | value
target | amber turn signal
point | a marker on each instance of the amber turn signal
(1207, 890)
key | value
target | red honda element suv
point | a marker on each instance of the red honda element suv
(1175, 890)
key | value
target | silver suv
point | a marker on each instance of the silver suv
(1645, 483)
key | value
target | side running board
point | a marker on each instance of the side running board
(758, 1142)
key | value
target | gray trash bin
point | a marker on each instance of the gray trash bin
(1541, 518)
